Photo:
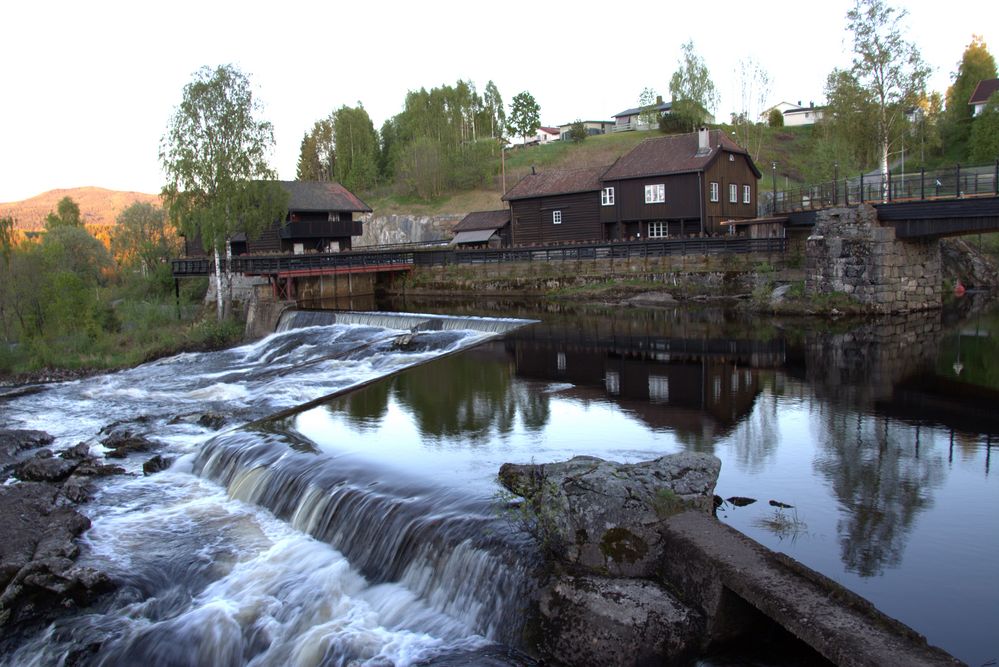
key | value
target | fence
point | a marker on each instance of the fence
(955, 182)
(345, 261)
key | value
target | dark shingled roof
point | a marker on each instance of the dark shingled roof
(556, 182)
(321, 196)
(483, 220)
(674, 154)
(984, 90)
(662, 107)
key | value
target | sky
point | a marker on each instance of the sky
(87, 88)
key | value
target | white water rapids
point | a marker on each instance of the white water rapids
(250, 549)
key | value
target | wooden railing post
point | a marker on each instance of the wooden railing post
(922, 183)
(957, 182)
(862, 188)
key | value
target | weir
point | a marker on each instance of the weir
(295, 319)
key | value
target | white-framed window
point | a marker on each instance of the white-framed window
(556, 217)
(733, 193)
(607, 197)
(747, 195)
(658, 230)
(713, 189)
(655, 194)
(658, 389)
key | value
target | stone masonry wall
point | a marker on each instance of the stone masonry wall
(395, 229)
(850, 252)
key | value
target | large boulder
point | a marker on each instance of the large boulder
(15, 442)
(598, 621)
(44, 467)
(605, 517)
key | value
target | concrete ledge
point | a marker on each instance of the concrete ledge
(708, 561)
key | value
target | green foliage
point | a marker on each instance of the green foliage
(493, 103)
(214, 154)
(356, 142)
(775, 118)
(6, 237)
(984, 143)
(67, 214)
(848, 133)
(317, 157)
(976, 64)
(141, 239)
(684, 116)
(648, 114)
(577, 132)
(887, 67)
(525, 115)
(691, 87)
(537, 514)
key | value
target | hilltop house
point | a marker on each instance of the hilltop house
(676, 185)
(630, 119)
(592, 127)
(983, 91)
(320, 219)
(796, 115)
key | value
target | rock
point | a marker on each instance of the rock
(156, 464)
(963, 261)
(44, 467)
(212, 420)
(741, 501)
(780, 505)
(596, 621)
(77, 452)
(779, 294)
(123, 442)
(13, 442)
(604, 516)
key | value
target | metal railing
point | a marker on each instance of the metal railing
(680, 247)
(922, 185)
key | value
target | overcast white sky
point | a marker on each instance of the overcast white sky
(88, 87)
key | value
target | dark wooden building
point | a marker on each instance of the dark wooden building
(483, 228)
(320, 219)
(678, 185)
(556, 206)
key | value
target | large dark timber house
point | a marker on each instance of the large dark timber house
(679, 185)
(320, 219)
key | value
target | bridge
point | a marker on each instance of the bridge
(924, 204)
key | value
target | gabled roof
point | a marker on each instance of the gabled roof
(673, 154)
(483, 220)
(321, 196)
(984, 90)
(549, 130)
(587, 122)
(556, 182)
(662, 108)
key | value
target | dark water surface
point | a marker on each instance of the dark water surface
(363, 530)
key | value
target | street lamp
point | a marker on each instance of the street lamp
(773, 173)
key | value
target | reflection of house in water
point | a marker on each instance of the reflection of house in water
(695, 386)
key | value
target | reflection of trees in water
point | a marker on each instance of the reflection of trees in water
(755, 438)
(882, 475)
(467, 395)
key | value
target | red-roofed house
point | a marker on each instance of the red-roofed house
(983, 91)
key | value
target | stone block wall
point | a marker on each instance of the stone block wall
(396, 229)
(850, 252)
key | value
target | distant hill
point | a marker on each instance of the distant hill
(99, 207)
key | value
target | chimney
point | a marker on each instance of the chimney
(811, 105)
(703, 145)
(659, 99)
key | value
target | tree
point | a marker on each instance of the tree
(887, 66)
(494, 105)
(525, 115)
(984, 143)
(67, 215)
(754, 92)
(775, 118)
(577, 132)
(356, 147)
(214, 154)
(6, 237)
(142, 239)
(976, 64)
(648, 114)
(317, 157)
(850, 126)
(693, 94)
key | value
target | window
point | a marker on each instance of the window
(658, 389)
(747, 195)
(607, 197)
(655, 194)
(658, 230)
(557, 217)
(733, 193)
(714, 191)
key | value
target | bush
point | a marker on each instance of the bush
(775, 118)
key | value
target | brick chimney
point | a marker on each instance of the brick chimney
(703, 141)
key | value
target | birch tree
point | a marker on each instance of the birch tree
(214, 155)
(887, 66)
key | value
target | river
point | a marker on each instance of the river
(363, 529)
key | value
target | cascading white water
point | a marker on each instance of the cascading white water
(284, 566)
(294, 319)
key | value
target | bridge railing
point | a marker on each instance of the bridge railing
(676, 247)
(954, 182)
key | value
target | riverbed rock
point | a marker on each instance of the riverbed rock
(605, 517)
(963, 261)
(123, 441)
(44, 467)
(592, 620)
(38, 577)
(15, 442)
(156, 464)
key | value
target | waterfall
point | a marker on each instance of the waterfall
(453, 554)
(295, 319)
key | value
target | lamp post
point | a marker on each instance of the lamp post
(773, 174)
